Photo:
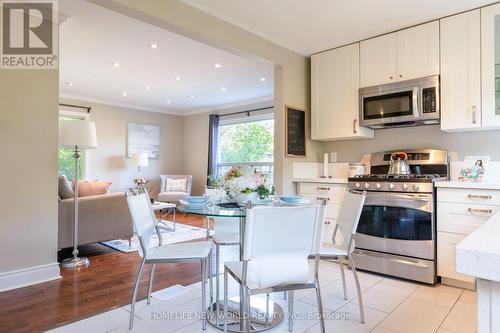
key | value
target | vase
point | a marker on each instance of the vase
(243, 198)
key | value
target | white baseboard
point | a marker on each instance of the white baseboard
(28, 276)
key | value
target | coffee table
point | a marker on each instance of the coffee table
(166, 208)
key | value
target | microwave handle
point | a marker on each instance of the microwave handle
(415, 101)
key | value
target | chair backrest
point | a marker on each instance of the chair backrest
(348, 218)
(283, 231)
(164, 178)
(143, 219)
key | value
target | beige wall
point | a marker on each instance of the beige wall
(28, 165)
(195, 150)
(291, 75)
(109, 161)
(471, 143)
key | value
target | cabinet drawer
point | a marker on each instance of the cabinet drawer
(446, 256)
(462, 218)
(332, 211)
(469, 196)
(321, 189)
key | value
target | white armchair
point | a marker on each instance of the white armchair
(175, 187)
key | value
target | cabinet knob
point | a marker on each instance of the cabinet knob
(400, 75)
(390, 77)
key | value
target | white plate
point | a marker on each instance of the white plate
(296, 203)
(184, 202)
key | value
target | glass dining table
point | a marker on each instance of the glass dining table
(264, 313)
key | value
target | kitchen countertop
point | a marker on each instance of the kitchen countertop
(479, 253)
(484, 185)
(321, 180)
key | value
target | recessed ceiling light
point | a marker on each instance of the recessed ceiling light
(116, 64)
(217, 65)
(69, 84)
(153, 45)
(147, 88)
(222, 89)
(88, 76)
(178, 78)
(124, 93)
(191, 96)
(263, 79)
(168, 102)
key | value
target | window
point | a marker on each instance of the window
(66, 162)
(248, 143)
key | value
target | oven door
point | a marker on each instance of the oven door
(389, 106)
(397, 223)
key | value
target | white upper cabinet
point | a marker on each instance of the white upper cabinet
(378, 60)
(490, 66)
(334, 95)
(407, 54)
(418, 51)
(461, 72)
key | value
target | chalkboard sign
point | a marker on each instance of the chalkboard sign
(295, 132)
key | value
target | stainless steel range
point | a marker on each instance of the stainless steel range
(397, 229)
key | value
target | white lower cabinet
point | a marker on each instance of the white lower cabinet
(459, 212)
(334, 194)
(446, 254)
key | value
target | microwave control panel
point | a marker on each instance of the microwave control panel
(429, 100)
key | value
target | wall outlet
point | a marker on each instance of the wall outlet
(333, 157)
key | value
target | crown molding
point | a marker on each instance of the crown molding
(118, 104)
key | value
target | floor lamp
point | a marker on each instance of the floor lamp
(76, 134)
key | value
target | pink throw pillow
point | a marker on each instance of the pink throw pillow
(87, 188)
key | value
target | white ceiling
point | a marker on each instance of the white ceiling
(310, 26)
(92, 38)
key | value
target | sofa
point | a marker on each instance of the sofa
(174, 187)
(101, 218)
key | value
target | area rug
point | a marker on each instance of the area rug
(182, 233)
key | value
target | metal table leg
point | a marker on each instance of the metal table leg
(162, 225)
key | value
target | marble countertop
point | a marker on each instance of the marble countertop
(484, 185)
(479, 253)
(321, 180)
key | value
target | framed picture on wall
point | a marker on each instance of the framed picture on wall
(295, 132)
(143, 138)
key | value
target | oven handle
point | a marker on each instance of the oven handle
(401, 200)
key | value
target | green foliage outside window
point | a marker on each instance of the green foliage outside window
(247, 142)
(67, 163)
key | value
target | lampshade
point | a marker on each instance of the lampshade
(79, 133)
(140, 159)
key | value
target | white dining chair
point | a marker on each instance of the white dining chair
(347, 223)
(277, 244)
(145, 226)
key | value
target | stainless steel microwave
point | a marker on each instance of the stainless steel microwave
(400, 104)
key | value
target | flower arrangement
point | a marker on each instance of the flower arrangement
(244, 183)
(140, 182)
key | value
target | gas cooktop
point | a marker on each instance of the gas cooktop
(410, 177)
(419, 183)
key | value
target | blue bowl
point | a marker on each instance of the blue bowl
(291, 198)
(196, 200)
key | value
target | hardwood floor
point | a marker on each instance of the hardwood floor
(106, 284)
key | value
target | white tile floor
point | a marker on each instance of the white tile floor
(391, 306)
